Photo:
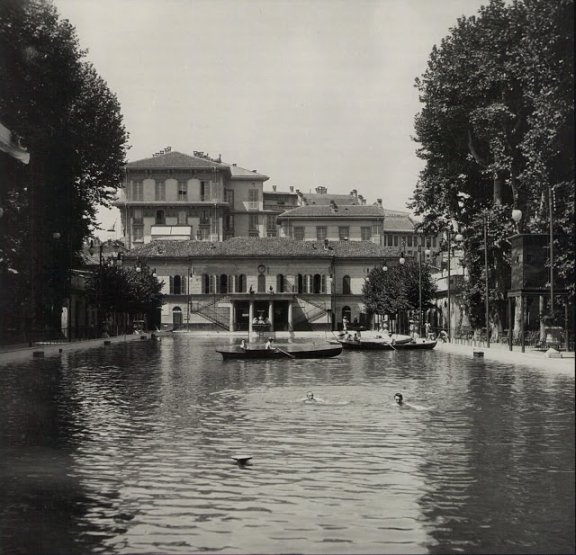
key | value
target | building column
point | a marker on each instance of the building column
(232, 315)
(290, 326)
(250, 317)
(271, 314)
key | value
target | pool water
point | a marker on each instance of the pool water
(128, 449)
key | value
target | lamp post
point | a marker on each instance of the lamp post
(99, 291)
(401, 261)
(458, 237)
(486, 298)
(426, 253)
(551, 228)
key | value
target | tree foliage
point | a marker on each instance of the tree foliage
(119, 290)
(496, 132)
(71, 124)
(397, 289)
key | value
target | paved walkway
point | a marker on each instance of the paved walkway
(10, 353)
(500, 353)
(496, 353)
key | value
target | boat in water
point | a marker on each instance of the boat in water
(290, 351)
(375, 345)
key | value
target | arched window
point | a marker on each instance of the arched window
(223, 283)
(300, 283)
(346, 285)
(160, 217)
(317, 284)
(241, 283)
(280, 283)
(205, 284)
(177, 316)
(177, 285)
(261, 283)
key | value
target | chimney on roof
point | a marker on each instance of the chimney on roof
(219, 158)
(321, 190)
(234, 165)
(274, 188)
(354, 193)
(291, 188)
(379, 201)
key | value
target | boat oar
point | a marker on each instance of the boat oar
(285, 352)
(391, 345)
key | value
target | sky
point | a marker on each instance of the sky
(309, 92)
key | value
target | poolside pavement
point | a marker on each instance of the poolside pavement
(564, 364)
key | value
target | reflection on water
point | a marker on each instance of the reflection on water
(127, 449)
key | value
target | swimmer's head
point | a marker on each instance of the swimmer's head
(398, 398)
(310, 396)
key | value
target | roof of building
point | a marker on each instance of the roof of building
(324, 210)
(394, 220)
(248, 247)
(242, 173)
(174, 160)
(325, 198)
(283, 193)
(178, 160)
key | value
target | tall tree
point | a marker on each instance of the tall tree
(71, 124)
(496, 131)
(398, 288)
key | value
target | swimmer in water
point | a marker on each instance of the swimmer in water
(399, 400)
(310, 398)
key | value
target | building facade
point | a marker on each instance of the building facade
(175, 196)
(357, 222)
(293, 285)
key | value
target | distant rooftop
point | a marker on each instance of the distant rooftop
(246, 247)
(172, 159)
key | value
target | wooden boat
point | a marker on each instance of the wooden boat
(369, 345)
(295, 350)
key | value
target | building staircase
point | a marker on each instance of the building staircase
(309, 311)
(218, 315)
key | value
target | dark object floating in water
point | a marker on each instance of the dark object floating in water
(296, 350)
(363, 345)
(241, 460)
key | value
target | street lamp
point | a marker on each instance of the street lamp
(99, 291)
(426, 253)
(487, 295)
(458, 237)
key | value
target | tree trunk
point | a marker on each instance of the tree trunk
(498, 189)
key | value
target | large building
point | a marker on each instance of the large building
(297, 285)
(228, 251)
(174, 196)
(354, 222)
